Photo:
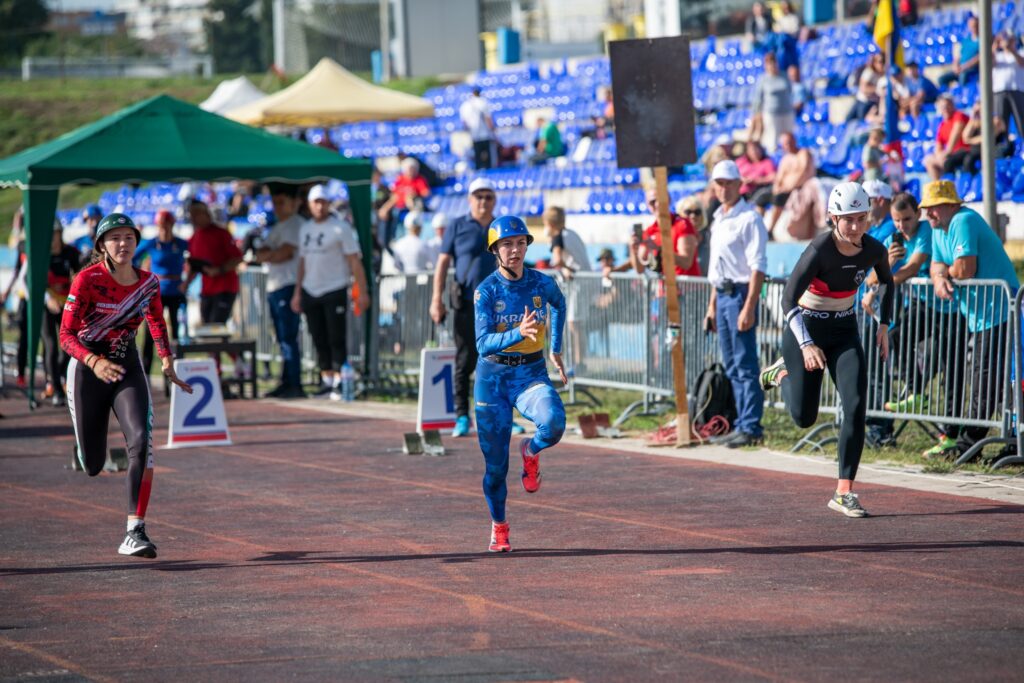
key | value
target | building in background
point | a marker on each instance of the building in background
(170, 27)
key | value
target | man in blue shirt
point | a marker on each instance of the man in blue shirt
(965, 247)
(91, 217)
(965, 65)
(465, 246)
(166, 254)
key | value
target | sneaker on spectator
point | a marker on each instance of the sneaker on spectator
(336, 394)
(848, 504)
(324, 389)
(945, 448)
(461, 426)
(915, 403)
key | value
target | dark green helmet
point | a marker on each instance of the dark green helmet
(113, 221)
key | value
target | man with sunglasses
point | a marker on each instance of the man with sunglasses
(465, 246)
(645, 250)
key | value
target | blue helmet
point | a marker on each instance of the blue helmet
(507, 226)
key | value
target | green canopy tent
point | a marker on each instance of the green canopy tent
(163, 139)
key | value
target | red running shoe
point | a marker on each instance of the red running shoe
(499, 538)
(531, 468)
(20, 382)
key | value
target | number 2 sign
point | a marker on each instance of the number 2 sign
(197, 419)
(437, 390)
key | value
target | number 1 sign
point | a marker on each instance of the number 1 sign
(197, 419)
(437, 390)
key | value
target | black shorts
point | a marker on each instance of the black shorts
(780, 199)
(216, 308)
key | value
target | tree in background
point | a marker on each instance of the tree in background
(233, 36)
(21, 21)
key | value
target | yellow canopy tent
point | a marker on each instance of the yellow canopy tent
(329, 95)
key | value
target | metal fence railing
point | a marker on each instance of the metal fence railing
(951, 363)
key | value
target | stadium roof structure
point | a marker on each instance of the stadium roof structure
(330, 95)
(163, 139)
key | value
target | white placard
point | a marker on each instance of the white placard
(437, 390)
(197, 419)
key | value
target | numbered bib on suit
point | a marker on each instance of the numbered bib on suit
(437, 390)
(197, 419)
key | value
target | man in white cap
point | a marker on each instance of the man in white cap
(410, 251)
(880, 193)
(736, 268)
(465, 247)
(439, 223)
(330, 259)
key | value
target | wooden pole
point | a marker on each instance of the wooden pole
(668, 266)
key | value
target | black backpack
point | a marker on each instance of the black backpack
(713, 397)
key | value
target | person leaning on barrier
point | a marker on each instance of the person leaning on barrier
(465, 247)
(645, 249)
(965, 247)
(736, 270)
(930, 330)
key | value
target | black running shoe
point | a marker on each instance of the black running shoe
(137, 544)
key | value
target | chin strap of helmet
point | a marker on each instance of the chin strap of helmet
(501, 265)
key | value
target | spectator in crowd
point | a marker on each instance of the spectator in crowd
(758, 174)
(64, 263)
(606, 262)
(381, 194)
(802, 94)
(736, 270)
(432, 178)
(609, 107)
(91, 217)
(280, 254)
(787, 21)
(214, 255)
(950, 148)
(1008, 80)
(972, 138)
(930, 330)
(965, 57)
(241, 195)
(906, 10)
(872, 157)
(965, 246)
(166, 255)
(922, 91)
(411, 252)
(881, 225)
(330, 258)
(465, 247)
(759, 28)
(787, 30)
(549, 141)
(645, 250)
(900, 92)
(692, 209)
(475, 114)
(568, 252)
(439, 223)
(867, 97)
(772, 107)
(17, 286)
(796, 167)
(408, 191)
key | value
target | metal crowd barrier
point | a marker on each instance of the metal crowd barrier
(940, 373)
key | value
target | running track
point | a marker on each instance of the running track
(313, 550)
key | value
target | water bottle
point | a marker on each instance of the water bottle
(348, 382)
(183, 324)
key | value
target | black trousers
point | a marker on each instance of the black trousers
(483, 154)
(216, 308)
(465, 355)
(171, 304)
(54, 359)
(987, 385)
(1010, 103)
(326, 318)
(22, 357)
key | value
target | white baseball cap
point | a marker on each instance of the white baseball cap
(480, 184)
(439, 221)
(878, 189)
(318, 192)
(725, 170)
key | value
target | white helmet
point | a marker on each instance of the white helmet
(847, 198)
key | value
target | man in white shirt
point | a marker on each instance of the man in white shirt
(476, 117)
(410, 251)
(736, 268)
(568, 253)
(329, 258)
(439, 223)
(280, 256)
(1008, 80)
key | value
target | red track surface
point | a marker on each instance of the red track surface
(314, 550)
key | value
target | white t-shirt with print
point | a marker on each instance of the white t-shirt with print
(324, 249)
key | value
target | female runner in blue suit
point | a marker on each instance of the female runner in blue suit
(512, 325)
